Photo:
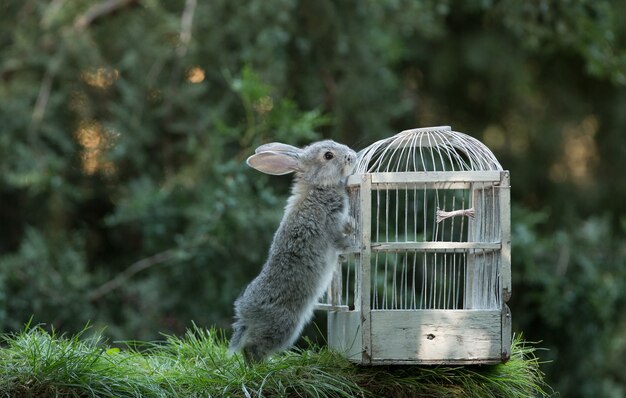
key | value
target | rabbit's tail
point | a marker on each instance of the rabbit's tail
(236, 342)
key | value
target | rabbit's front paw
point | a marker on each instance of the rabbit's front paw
(343, 243)
(349, 226)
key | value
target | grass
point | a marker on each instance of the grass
(37, 363)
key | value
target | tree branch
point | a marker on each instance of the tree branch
(135, 268)
(186, 25)
(141, 265)
(41, 103)
(99, 10)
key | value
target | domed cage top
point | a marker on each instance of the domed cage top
(426, 149)
(428, 275)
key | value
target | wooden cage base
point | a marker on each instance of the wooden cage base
(422, 336)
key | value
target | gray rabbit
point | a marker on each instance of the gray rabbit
(279, 302)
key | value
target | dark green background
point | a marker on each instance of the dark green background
(125, 200)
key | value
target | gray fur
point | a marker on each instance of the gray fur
(279, 302)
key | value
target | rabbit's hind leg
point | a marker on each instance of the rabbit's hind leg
(258, 349)
(270, 337)
(252, 354)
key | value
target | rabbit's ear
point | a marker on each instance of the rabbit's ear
(274, 163)
(278, 147)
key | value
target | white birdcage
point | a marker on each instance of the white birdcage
(428, 277)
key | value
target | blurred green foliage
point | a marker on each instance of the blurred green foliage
(124, 195)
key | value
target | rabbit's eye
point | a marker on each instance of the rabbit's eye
(328, 155)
